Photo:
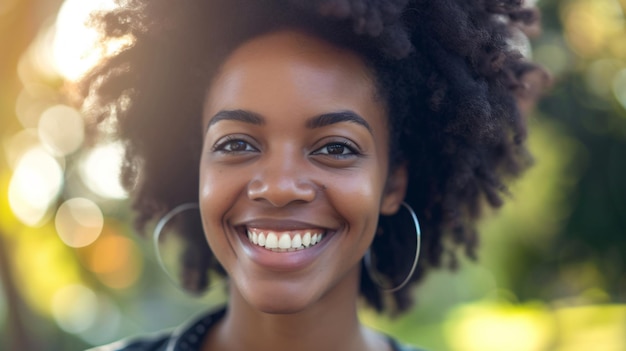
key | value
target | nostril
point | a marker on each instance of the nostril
(282, 191)
(256, 189)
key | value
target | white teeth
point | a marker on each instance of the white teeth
(296, 242)
(271, 241)
(306, 240)
(285, 241)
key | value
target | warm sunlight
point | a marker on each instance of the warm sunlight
(100, 171)
(74, 48)
(34, 186)
(61, 130)
(79, 222)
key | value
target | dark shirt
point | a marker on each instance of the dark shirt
(189, 337)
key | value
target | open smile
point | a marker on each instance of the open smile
(285, 241)
(283, 245)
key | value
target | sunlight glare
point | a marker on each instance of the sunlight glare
(592, 327)
(75, 48)
(35, 65)
(497, 327)
(100, 171)
(35, 185)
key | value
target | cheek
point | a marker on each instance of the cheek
(218, 190)
(211, 180)
(357, 198)
(218, 193)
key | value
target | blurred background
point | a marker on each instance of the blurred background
(552, 268)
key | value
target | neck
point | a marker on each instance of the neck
(330, 324)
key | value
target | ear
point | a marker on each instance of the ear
(395, 190)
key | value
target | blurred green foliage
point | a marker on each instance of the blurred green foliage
(552, 268)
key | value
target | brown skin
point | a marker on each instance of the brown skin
(280, 170)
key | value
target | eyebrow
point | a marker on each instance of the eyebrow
(237, 115)
(327, 119)
(319, 121)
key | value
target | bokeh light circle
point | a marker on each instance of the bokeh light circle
(100, 170)
(31, 103)
(75, 308)
(115, 259)
(61, 129)
(35, 184)
(79, 222)
(16, 146)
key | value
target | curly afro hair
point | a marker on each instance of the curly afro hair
(452, 80)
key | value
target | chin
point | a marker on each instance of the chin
(281, 308)
(279, 299)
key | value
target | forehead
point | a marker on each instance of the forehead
(293, 72)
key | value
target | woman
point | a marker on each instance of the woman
(304, 130)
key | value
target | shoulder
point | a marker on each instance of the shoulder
(188, 336)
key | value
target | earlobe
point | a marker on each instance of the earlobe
(395, 190)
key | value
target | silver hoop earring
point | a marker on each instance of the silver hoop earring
(367, 259)
(156, 236)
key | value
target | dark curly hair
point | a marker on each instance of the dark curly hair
(452, 81)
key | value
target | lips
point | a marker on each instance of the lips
(283, 244)
(284, 241)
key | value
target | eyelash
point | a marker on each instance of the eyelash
(231, 140)
(352, 149)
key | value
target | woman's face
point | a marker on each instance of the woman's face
(294, 170)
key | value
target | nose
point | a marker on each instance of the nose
(281, 183)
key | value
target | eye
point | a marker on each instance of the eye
(232, 145)
(337, 149)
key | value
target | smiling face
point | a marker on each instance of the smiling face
(294, 170)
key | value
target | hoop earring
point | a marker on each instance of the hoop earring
(159, 229)
(367, 259)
